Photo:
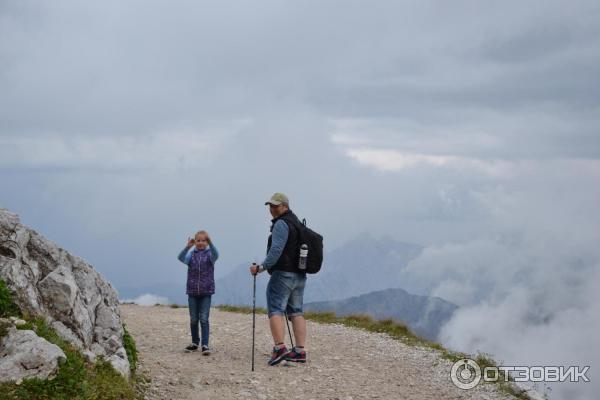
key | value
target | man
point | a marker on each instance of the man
(285, 290)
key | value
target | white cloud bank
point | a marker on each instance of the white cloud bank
(527, 286)
(147, 300)
(394, 160)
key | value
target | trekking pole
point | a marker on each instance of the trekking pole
(287, 321)
(253, 315)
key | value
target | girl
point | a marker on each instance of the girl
(200, 255)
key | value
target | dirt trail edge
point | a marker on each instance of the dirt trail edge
(344, 363)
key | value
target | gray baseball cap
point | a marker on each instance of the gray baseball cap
(277, 199)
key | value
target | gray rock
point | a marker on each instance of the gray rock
(98, 350)
(120, 362)
(106, 317)
(67, 334)
(5, 324)
(73, 297)
(58, 289)
(25, 355)
(89, 356)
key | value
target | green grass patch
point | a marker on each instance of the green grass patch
(29, 326)
(8, 307)
(485, 360)
(76, 378)
(241, 309)
(4, 328)
(130, 349)
(450, 355)
(395, 329)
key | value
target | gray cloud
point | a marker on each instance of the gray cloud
(469, 128)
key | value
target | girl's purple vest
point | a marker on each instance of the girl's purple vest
(201, 274)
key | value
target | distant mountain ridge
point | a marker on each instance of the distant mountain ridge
(362, 265)
(424, 315)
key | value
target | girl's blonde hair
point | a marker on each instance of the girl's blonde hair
(201, 233)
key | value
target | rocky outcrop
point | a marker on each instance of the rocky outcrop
(73, 297)
(24, 355)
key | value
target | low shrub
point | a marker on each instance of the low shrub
(7, 306)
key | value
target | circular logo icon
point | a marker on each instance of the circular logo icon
(465, 374)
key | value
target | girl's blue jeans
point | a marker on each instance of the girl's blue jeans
(199, 307)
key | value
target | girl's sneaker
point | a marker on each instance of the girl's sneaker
(191, 347)
(296, 355)
(278, 355)
(205, 350)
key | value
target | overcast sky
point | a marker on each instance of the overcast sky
(469, 127)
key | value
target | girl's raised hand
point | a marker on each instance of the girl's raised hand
(190, 242)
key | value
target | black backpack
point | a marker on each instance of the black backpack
(314, 241)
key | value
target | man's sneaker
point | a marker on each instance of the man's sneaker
(296, 355)
(278, 355)
(191, 347)
(205, 350)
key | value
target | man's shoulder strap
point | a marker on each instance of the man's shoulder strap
(291, 219)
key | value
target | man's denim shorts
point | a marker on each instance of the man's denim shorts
(285, 293)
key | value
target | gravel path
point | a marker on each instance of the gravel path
(344, 363)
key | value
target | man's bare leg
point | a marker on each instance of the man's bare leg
(277, 329)
(299, 324)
